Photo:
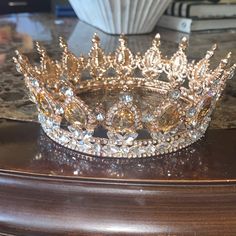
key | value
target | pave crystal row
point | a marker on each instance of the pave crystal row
(177, 164)
(121, 104)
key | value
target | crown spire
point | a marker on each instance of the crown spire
(183, 44)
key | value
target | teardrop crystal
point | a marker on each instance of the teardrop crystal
(169, 119)
(123, 121)
(75, 115)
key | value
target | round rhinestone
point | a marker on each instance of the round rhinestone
(175, 94)
(126, 98)
(191, 112)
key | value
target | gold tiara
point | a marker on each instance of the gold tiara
(121, 104)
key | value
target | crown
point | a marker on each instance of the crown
(121, 104)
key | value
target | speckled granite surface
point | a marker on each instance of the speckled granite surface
(20, 32)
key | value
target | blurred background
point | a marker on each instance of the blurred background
(136, 16)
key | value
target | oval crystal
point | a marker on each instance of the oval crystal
(152, 59)
(205, 108)
(44, 105)
(75, 115)
(169, 119)
(123, 121)
(124, 58)
(178, 64)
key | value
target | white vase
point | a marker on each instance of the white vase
(120, 16)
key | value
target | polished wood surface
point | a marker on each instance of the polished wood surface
(212, 159)
(192, 192)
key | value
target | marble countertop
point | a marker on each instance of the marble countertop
(20, 31)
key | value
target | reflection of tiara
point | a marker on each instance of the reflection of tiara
(124, 105)
(181, 164)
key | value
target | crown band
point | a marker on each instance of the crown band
(125, 105)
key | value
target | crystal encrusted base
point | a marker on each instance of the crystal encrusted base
(120, 147)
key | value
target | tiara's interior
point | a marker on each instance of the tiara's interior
(150, 100)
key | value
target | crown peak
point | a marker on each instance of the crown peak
(225, 60)
(157, 36)
(95, 38)
(229, 55)
(183, 43)
(63, 43)
(40, 49)
(156, 41)
(122, 39)
(211, 52)
(214, 47)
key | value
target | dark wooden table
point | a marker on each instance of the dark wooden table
(47, 190)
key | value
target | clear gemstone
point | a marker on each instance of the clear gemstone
(204, 127)
(49, 123)
(175, 144)
(18, 68)
(126, 98)
(137, 151)
(194, 123)
(119, 139)
(202, 70)
(195, 135)
(34, 82)
(175, 94)
(157, 136)
(100, 117)
(111, 149)
(63, 139)
(97, 149)
(129, 138)
(77, 133)
(41, 118)
(114, 137)
(178, 63)
(152, 59)
(124, 151)
(87, 135)
(163, 147)
(73, 143)
(147, 118)
(84, 146)
(59, 110)
(191, 112)
(231, 75)
(67, 91)
(151, 149)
